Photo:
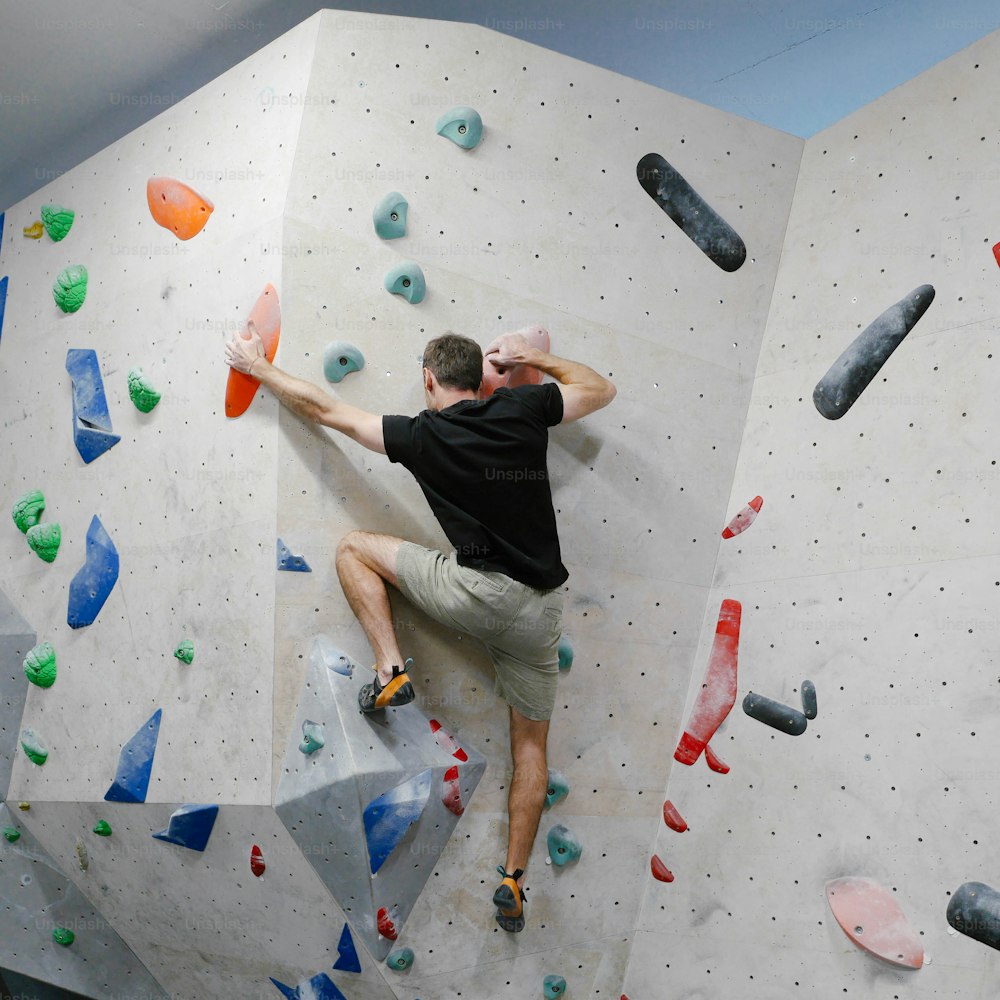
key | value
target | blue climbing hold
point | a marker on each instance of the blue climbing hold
(388, 817)
(190, 827)
(320, 987)
(390, 216)
(407, 280)
(288, 561)
(135, 763)
(462, 125)
(348, 960)
(340, 359)
(2, 214)
(3, 301)
(92, 431)
(95, 579)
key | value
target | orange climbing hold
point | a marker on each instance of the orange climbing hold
(495, 378)
(177, 207)
(266, 317)
(660, 871)
(715, 762)
(673, 818)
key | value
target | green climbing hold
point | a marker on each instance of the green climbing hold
(554, 986)
(563, 846)
(142, 392)
(407, 280)
(462, 125)
(34, 747)
(44, 540)
(390, 216)
(70, 288)
(57, 221)
(12, 834)
(27, 510)
(312, 737)
(400, 959)
(63, 936)
(185, 650)
(40, 665)
(565, 653)
(340, 359)
(557, 790)
(102, 829)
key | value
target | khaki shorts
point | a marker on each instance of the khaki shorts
(519, 625)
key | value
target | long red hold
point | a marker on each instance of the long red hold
(718, 690)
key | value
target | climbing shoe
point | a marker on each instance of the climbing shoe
(399, 691)
(509, 901)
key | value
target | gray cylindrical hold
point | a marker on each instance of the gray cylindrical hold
(773, 713)
(974, 910)
(849, 376)
(808, 693)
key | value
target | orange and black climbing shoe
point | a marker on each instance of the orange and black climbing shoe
(399, 691)
(509, 901)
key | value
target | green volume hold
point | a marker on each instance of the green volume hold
(185, 650)
(34, 747)
(102, 829)
(40, 665)
(141, 390)
(63, 936)
(12, 834)
(27, 510)
(57, 221)
(70, 288)
(44, 540)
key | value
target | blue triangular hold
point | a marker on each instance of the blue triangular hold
(135, 763)
(95, 579)
(2, 214)
(290, 562)
(3, 301)
(388, 817)
(320, 987)
(92, 432)
(190, 826)
(348, 961)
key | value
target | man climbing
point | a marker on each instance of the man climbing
(481, 464)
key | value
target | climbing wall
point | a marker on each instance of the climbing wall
(870, 570)
(657, 272)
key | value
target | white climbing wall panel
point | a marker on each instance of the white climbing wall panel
(871, 570)
(543, 222)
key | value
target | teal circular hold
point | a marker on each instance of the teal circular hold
(340, 359)
(400, 959)
(554, 986)
(463, 126)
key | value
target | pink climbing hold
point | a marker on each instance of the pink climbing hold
(257, 865)
(452, 797)
(714, 762)
(870, 916)
(673, 818)
(744, 518)
(660, 871)
(447, 742)
(718, 689)
(495, 378)
(385, 926)
(996, 252)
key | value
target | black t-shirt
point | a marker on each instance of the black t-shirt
(481, 465)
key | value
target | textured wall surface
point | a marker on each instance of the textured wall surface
(870, 570)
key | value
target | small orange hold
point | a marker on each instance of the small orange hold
(177, 207)
(660, 871)
(266, 317)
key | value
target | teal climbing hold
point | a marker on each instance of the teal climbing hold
(565, 653)
(554, 986)
(70, 288)
(400, 959)
(340, 359)
(563, 845)
(185, 650)
(44, 540)
(34, 747)
(40, 665)
(27, 510)
(57, 221)
(407, 280)
(312, 737)
(141, 390)
(557, 790)
(390, 216)
(462, 125)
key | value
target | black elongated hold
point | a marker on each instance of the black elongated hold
(696, 218)
(838, 390)
(974, 910)
(808, 694)
(774, 714)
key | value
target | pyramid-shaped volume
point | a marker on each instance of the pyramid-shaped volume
(373, 808)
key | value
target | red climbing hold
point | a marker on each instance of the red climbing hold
(660, 871)
(494, 378)
(718, 689)
(673, 818)
(446, 742)
(996, 252)
(385, 926)
(257, 865)
(870, 916)
(715, 763)
(744, 518)
(452, 797)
